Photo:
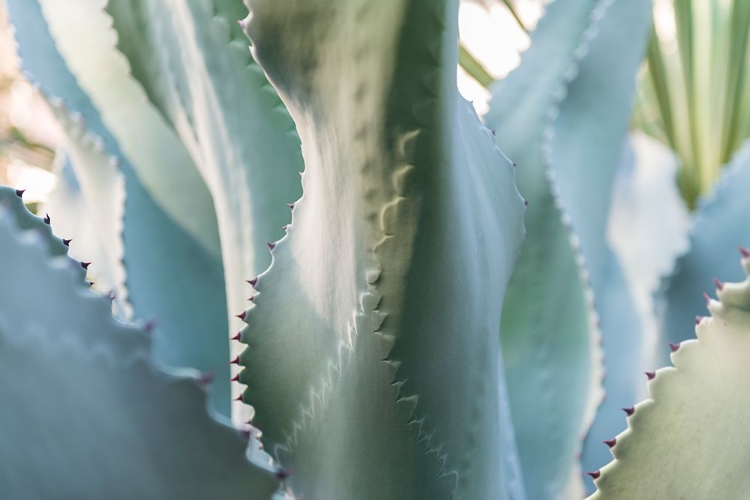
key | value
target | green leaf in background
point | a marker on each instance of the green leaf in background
(144, 433)
(689, 439)
(193, 62)
(584, 152)
(549, 340)
(160, 278)
(396, 261)
(70, 215)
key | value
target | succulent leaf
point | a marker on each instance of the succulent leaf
(104, 188)
(160, 279)
(720, 226)
(84, 37)
(549, 339)
(87, 414)
(192, 59)
(694, 422)
(396, 261)
(589, 131)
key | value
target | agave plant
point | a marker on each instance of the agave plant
(380, 356)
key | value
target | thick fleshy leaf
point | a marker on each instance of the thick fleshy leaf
(105, 187)
(585, 149)
(85, 413)
(549, 341)
(194, 63)
(690, 440)
(161, 278)
(396, 262)
(85, 39)
(720, 227)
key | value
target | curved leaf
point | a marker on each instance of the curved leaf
(396, 261)
(720, 227)
(192, 320)
(193, 61)
(689, 439)
(589, 131)
(550, 343)
(70, 215)
(109, 416)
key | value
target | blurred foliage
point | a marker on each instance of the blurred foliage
(694, 89)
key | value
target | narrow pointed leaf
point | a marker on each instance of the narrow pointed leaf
(160, 279)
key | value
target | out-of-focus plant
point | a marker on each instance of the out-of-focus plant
(694, 92)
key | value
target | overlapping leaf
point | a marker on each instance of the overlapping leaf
(689, 440)
(87, 415)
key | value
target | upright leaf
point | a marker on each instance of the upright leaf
(585, 149)
(87, 415)
(396, 261)
(193, 61)
(550, 343)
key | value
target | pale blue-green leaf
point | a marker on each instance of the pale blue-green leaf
(585, 150)
(648, 225)
(86, 41)
(195, 65)
(688, 439)
(85, 412)
(396, 262)
(720, 226)
(550, 344)
(161, 277)
(71, 217)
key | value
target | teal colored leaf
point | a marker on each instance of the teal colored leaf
(548, 335)
(87, 415)
(720, 227)
(160, 278)
(584, 152)
(84, 37)
(397, 260)
(194, 63)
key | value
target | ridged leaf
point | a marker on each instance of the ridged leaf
(689, 439)
(550, 344)
(85, 413)
(396, 262)
(584, 153)
(192, 320)
(720, 227)
(193, 61)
